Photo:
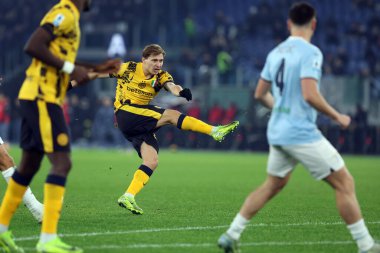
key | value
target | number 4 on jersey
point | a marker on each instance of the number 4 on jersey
(280, 76)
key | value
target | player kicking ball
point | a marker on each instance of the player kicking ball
(137, 84)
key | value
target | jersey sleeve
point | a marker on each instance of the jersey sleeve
(265, 73)
(61, 19)
(311, 66)
(121, 71)
(164, 77)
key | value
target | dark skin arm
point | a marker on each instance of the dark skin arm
(38, 47)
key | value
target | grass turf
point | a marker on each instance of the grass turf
(192, 198)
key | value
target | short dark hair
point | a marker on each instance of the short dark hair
(301, 13)
(152, 49)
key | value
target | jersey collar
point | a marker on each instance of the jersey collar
(297, 38)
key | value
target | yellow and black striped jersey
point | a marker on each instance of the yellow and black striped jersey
(133, 87)
(44, 81)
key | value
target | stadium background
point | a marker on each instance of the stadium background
(216, 48)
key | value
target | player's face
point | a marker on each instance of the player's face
(153, 63)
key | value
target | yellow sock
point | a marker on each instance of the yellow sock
(53, 200)
(193, 124)
(12, 199)
(140, 179)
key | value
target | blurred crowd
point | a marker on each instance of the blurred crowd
(225, 36)
(92, 124)
(227, 39)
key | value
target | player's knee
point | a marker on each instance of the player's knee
(173, 116)
(276, 186)
(63, 167)
(6, 162)
(152, 162)
(348, 184)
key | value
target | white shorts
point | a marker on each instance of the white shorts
(1, 141)
(319, 158)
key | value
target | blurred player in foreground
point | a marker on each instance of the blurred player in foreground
(293, 71)
(137, 84)
(7, 168)
(53, 46)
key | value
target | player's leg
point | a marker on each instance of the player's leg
(349, 209)
(16, 189)
(7, 168)
(189, 123)
(279, 170)
(54, 191)
(324, 162)
(149, 155)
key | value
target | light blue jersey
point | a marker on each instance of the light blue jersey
(292, 120)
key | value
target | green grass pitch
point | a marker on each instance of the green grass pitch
(192, 198)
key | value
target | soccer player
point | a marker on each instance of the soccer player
(7, 168)
(292, 71)
(137, 84)
(53, 46)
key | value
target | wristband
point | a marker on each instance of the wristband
(68, 67)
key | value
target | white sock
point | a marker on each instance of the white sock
(129, 195)
(360, 233)
(237, 226)
(7, 174)
(3, 228)
(29, 198)
(46, 237)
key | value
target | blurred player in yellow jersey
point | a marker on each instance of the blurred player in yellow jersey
(53, 46)
(137, 84)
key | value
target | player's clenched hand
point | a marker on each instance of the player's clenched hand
(343, 120)
(186, 93)
(110, 66)
(80, 75)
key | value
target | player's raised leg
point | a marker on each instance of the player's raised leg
(189, 123)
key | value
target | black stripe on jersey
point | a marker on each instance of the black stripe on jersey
(63, 50)
(58, 84)
(132, 66)
(43, 71)
(50, 29)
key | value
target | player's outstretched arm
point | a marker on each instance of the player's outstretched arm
(102, 70)
(312, 95)
(178, 91)
(262, 93)
(38, 47)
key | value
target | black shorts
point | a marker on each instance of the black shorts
(138, 124)
(43, 127)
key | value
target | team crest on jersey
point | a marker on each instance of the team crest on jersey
(58, 19)
(142, 85)
(62, 139)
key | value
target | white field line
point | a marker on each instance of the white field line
(152, 230)
(209, 245)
